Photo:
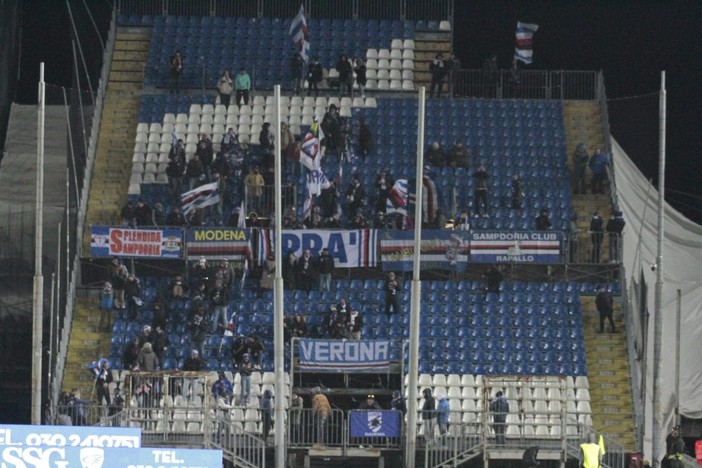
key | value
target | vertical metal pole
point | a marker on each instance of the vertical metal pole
(658, 317)
(411, 449)
(38, 297)
(51, 349)
(278, 295)
(677, 360)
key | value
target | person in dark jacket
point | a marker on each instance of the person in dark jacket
(314, 77)
(615, 227)
(481, 192)
(392, 294)
(499, 408)
(543, 221)
(428, 414)
(306, 269)
(360, 70)
(204, 151)
(266, 413)
(398, 403)
(605, 307)
(160, 342)
(345, 70)
(127, 214)
(132, 293)
(195, 172)
(438, 72)
(383, 184)
(130, 355)
(354, 325)
(175, 218)
(325, 268)
(580, 160)
(219, 298)
(355, 197)
(366, 141)
(598, 166)
(596, 236)
(517, 194)
(296, 68)
(103, 378)
(198, 332)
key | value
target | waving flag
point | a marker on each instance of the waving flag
(309, 152)
(430, 198)
(397, 198)
(522, 47)
(300, 34)
(316, 182)
(200, 197)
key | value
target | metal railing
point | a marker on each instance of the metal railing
(526, 84)
(261, 200)
(587, 247)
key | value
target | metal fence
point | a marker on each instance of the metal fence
(594, 248)
(261, 200)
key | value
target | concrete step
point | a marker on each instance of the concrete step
(130, 55)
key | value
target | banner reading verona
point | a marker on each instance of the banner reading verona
(441, 249)
(349, 249)
(217, 242)
(125, 242)
(344, 355)
(515, 247)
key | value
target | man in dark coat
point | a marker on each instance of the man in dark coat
(605, 306)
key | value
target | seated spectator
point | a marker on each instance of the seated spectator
(460, 155)
(543, 222)
(298, 327)
(358, 222)
(434, 155)
(158, 217)
(175, 218)
(127, 214)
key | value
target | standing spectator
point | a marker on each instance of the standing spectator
(392, 290)
(174, 172)
(580, 160)
(360, 70)
(143, 215)
(254, 189)
(106, 301)
(132, 292)
(195, 171)
(127, 214)
(366, 142)
(490, 70)
(192, 363)
(148, 361)
(266, 141)
(493, 279)
(443, 411)
(117, 404)
(481, 192)
(295, 421)
(242, 84)
(573, 238)
(118, 276)
(198, 332)
(355, 197)
(369, 403)
(517, 194)
(255, 350)
(205, 152)
(428, 414)
(315, 75)
(306, 271)
(77, 408)
(434, 155)
(605, 306)
(383, 184)
(438, 72)
(219, 298)
(266, 414)
(320, 413)
(222, 391)
(225, 88)
(177, 152)
(591, 454)
(230, 142)
(245, 370)
(296, 68)
(596, 236)
(175, 218)
(334, 324)
(343, 67)
(325, 265)
(499, 408)
(543, 221)
(158, 217)
(459, 156)
(160, 343)
(176, 63)
(331, 128)
(675, 448)
(615, 227)
(398, 403)
(130, 355)
(439, 219)
(267, 274)
(598, 166)
(103, 378)
(462, 221)
(289, 270)
(161, 312)
(354, 325)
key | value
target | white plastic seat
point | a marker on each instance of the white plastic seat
(245, 119)
(383, 74)
(134, 189)
(206, 128)
(195, 109)
(232, 120)
(371, 85)
(583, 394)
(151, 158)
(408, 64)
(244, 129)
(396, 44)
(207, 119)
(218, 129)
(169, 118)
(153, 128)
(425, 380)
(255, 131)
(141, 137)
(258, 109)
(395, 75)
(444, 26)
(259, 100)
(383, 54)
(193, 119)
(371, 103)
(257, 119)
(193, 128)
(396, 54)
(371, 54)
(152, 148)
(383, 63)
(181, 129)
(140, 147)
(294, 120)
(454, 393)
(408, 44)
(395, 64)
(408, 54)
(138, 158)
(357, 102)
(182, 118)
(167, 138)
(306, 120)
(371, 74)
(583, 406)
(137, 168)
(383, 85)
(345, 111)
(219, 119)
(581, 382)
(149, 179)
(207, 109)
(220, 109)
(245, 110)
(407, 75)
(371, 64)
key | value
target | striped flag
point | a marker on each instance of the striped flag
(397, 198)
(309, 152)
(200, 197)
(522, 47)
(300, 34)
(316, 182)
(430, 198)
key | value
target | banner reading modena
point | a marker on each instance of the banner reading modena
(441, 250)
(217, 242)
(344, 355)
(515, 247)
(349, 249)
(145, 243)
(69, 436)
(97, 457)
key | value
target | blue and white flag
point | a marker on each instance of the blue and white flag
(300, 34)
(316, 182)
(522, 47)
(200, 197)
(397, 198)
(309, 153)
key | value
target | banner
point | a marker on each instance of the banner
(523, 41)
(63, 436)
(96, 457)
(344, 355)
(349, 249)
(126, 242)
(216, 243)
(441, 249)
(515, 247)
(374, 423)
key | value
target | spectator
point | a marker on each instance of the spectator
(343, 67)
(298, 327)
(195, 172)
(103, 378)
(440, 220)
(290, 270)
(443, 412)
(267, 274)
(175, 218)
(392, 293)
(296, 69)
(253, 221)
(343, 306)
(205, 152)
(306, 271)
(228, 273)
(379, 221)
(366, 142)
(132, 292)
(580, 160)
(605, 307)
(481, 192)
(499, 409)
(219, 298)
(493, 279)
(145, 334)
(355, 197)
(254, 188)
(398, 403)
(354, 325)
(160, 343)
(383, 184)
(158, 217)
(598, 166)
(462, 222)
(329, 201)
(242, 84)
(238, 350)
(314, 77)
(573, 237)
(143, 215)
(221, 166)
(434, 155)
(106, 302)
(460, 156)
(325, 265)
(315, 220)
(77, 408)
(148, 361)
(369, 404)
(331, 129)
(222, 391)
(287, 138)
(438, 72)
(161, 312)
(198, 332)
(130, 355)
(675, 448)
(266, 141)
(266, 413)
(334, 324)
(596, 236)
(230, 142)
(174, 172)
(517, 194)
(615, 227)
(428, 414)
(176, 65)
(543, 222)
(225, 88)
(295, 418)
(245, 370)
(192, 363)
(320, 413)
(360, 70)
(127, 214)
(117, 404)
(255, 350)
(591, 454)
(119, 282)
(177, 152)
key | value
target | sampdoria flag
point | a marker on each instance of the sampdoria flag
(309, 152)
(522, 46)
(200, 197)
(316, 182)
(397, 198)
(300, 34)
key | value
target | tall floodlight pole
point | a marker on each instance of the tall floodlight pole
(658, 319)
(411, 449)
(279, 361)
(38, 297)
(677, 357)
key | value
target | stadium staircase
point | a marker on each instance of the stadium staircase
(87, 344)
(426, 45)
(113, 158)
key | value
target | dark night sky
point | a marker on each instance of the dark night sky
(631, 41)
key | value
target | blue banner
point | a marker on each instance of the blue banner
(441, 249)
(144, 243)
(344, 355)
(64, 436)
(373, 423)
(516, 247)
(96, 457)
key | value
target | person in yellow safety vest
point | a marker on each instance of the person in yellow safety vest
(676, 448)
(591, 454)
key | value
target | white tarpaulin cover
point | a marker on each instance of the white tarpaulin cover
(682, 269)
